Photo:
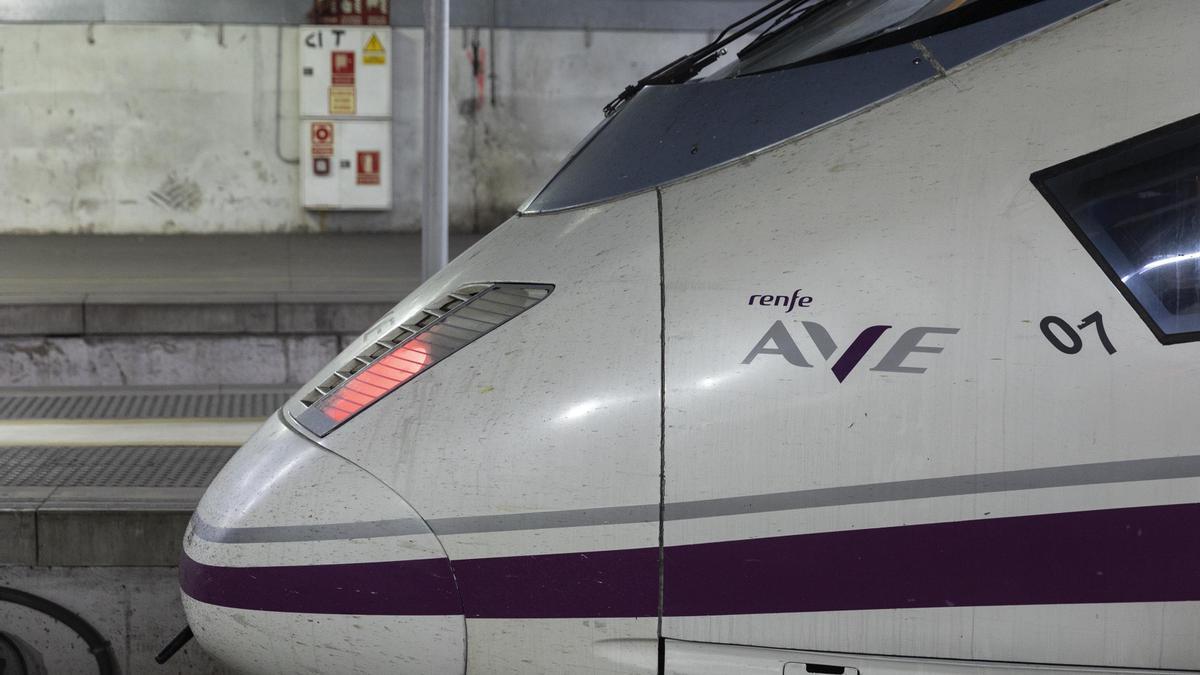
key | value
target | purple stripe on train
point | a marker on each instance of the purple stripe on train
(1145, 554)
(595, 584)
(620, 583)
(409, 587)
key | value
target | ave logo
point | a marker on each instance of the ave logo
(778, 341)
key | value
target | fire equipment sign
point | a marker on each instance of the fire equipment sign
(341, 68)
(322, 139)
(368, 167)
(341, 76)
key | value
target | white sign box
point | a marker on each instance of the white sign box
(345, 71)
(346, 164)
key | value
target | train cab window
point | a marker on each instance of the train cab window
(1135, 206)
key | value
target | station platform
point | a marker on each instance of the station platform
(96, 489)
(104, 311)
(96, 268)
(105, 478)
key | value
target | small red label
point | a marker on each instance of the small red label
(351, 12)
(322, 139)
(368, 167)
(342, 68)
(375, 12)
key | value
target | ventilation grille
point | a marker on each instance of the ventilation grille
(434, 333)
(392, 339)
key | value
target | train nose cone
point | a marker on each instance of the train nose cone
(298, 561)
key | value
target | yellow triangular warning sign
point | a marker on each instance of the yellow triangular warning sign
(373, 51)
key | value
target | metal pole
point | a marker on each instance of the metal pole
(434, 203)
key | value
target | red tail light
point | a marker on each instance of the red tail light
(459, 320)
(374, 381)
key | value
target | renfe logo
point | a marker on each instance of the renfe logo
(791, 302)
(892, 362)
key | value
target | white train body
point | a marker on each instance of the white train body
(897, 466)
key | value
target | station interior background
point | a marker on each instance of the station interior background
(163, 288)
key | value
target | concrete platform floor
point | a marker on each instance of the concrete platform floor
(96, 489)
(109, 267)
(112, 488)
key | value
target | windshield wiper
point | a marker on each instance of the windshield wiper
(781, 24)
(779, 12)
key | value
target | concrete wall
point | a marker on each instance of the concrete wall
(135, 608)
(184, 128)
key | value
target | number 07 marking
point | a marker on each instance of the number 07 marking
(1073, 343)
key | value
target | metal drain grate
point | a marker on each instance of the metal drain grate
(141, 405)
(122, 466)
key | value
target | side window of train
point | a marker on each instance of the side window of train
(1135, 207)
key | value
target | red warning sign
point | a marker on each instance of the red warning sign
(322, 139)
(368, 167)
(342, 68)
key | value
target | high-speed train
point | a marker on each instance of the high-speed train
(872, 348)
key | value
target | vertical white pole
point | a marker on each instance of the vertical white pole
(435, 224)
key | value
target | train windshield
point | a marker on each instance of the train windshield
(799, 64)
(814, 28)
(787, 33)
